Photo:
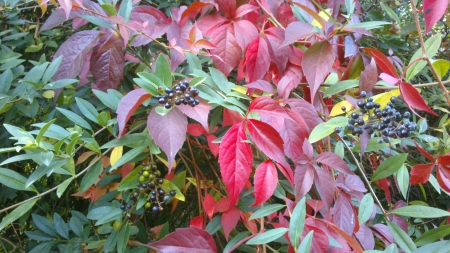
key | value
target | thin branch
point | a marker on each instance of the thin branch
(274, 20)
(424, 53)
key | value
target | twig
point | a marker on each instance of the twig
(424, 53)
(364, 176)
(274, 20)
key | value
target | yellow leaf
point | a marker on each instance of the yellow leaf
(48, 94)
(337, 108)
(322, 15)
(240, 89)
(384, 98)
(166, 163)
(116, 154)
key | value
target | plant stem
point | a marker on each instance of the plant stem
(274, 20)
(424, 53)
(364, 176)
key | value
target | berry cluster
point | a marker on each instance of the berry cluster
(149, 187)
(388, 122)
(181, 93)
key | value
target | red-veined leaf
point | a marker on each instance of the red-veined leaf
(228, 7)
(195, 129)
(287, 172)
(316, 63)
(268, 140)
(344, 217)
(231, 117)
(261, 85)
(292, 77)
(307, 111)
(257, 59)
(229, 220)
(245, 33)
(207, 24)
(294, 132)
(209, 205)
(228, 50)
(279, 55)
(244, 9)
(334, 161)
(424, 152)
(168, 132)
(296, 31)
(433, 11)
(324, 185)
(108, 62)
(413, 98)
(74, 52)
(199, 113)
(223, 204)
(213, 147)
(265, 181)
(128, 105)
(157, 23)
(197, 222)
(190, 239)
(369, 77)
(382, 62)
(303, 180)
(267, 106)
(235, 158)
(444, 160)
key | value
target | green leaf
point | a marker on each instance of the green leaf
(111, 10)
(368, 25)
(267, 210)
(60, 84)
(350, 6)
(15, 36)
(373, 145)
(125, 10)
(130, 181)
(91, 176)
(17, 213)
(71, 146)
(390, 12)
(151, 84)
(6, 79)
(239, 237)
(130, 140)
(389, 166)
(431, 47)
(441, 67)
(75, 118)
(63, 186)
(297, 222)
(76, 226)
(43, 129)
(305, 246)
(340, 86)
(115, 214)
(51, 70)
(99, 212)
(221, 80)
(196, 81)
(18, 158)
(42, 248)
(268, 236)
(162, 70)
(38, 236)
(168, 185)
(435, 247)
(43, 224)
(95, 244)
(43, 169)
(11, 64)
(111, 241)
(107, 99)
(401, 238)
(365, 208)
(60, 226)
(87, 109)
(124, 235)
(14, 180)
(326, 128)
(127, 157)
(402, 176)
(97, 21)
(433, 235)
(214, 225)
(420, 212)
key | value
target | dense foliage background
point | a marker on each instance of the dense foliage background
(224, 126)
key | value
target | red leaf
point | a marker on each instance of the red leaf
(207, 24)
(294, 132)
(199, 113)
(168, 132)
(231, 117)
(244, 9)
(307, 111)
(190, 239)
(365, 236)
(261, 85)
(303, 180)
(369, 77)
(192, 10)
(334, 161)
(268, 140)
(433, 11)
(245, 33)
(265, 181)
(424, 152)
(223, 204)
(351, 48)
(350, 240)
(235, 158)
(389, 79)
(382, 62)
(209, 205)
(320, 241)
(228, 7)
(324, 185)
(444, 160)
(354, 182)
(317, 62)
(344, 217)
(74, 52)
(279, 55)
(257, 59)
(195, 129)
(267, 106)
(229, 220)
(443, 181)
(290, 80)
(227, 50)
(197, 222)
(413, 98)
(156, 20)
(108, 62)
(296, 31)
(213, 147)
(128, 105)
(66, 5)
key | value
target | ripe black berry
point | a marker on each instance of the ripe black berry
(173, 193)
(169, 90)
(355, 115)
(123, 207)
(363, 94)
(160, 180)
(406, 115)
(161, 192)
(361, 104)
(386, 139)
(337, 130)
(350, 127)
(128, 206)
(360, 122)
(394, 99)
(343, 108)
(380, 140)
(155, 209)
(166, 198)
(168, 105)
(370, 100)
(351, 121)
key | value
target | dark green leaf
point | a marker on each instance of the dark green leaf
(95, 244)
(111, 241)
(162, 70)
(60, 226)
(214, 225)
(44, 225)
(365, 208)
(99, 212)
(433, 235)
(91, 176)
(268, 236)
(60, 84)
(39, 236)
(14, 180)
(75, 118)
(114, 214)
(63, 186)
(389, 166)
(87, 109)
(43, 169)
(124, 235)
(76, 226)
(420, 212)
(340, 86)
(297, 222)
(17, 213)
(402, 239)
(51, 70)
(42, 248)
(239, 237)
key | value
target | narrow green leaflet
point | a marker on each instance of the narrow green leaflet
(390, 12)
(87, 109)
(44, 224)
(63, 186)
(124, 234)
(60, 226)
(326, 128)
(91, 176)
(214, 225)
(433, 235)
(111, 241)
(128, 157)
(14, 180)
(107, 99)
(95, 244)
(389, 166)
(401, 238)
(420, 212)
(75, 118)
(125, 10)
(51, 70)
(99, 212)
(18, 158)
(340, 86)
(153, 82)
(268, 236)
(403, 180)
(168, 185)
(130, 181)
(239, 237)
(305, 246)
(43, 169)
(17, 213)
(435, 247)
(368, 25)
(432, 45)
(267, 210)
(162, 70)
(114, 214)
(373, 145)
(110, 9)
(365, 208)
(297, 222)
(43, 130)
(221, 80)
